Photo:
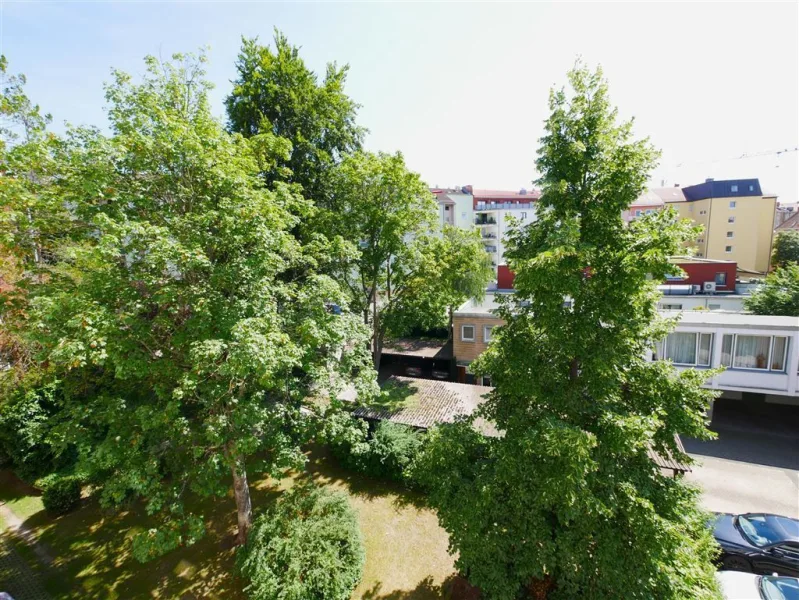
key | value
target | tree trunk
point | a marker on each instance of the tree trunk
(241, 490)
(377, 337)
(378, 349)
(450, 332)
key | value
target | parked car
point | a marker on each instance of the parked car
(747, 586)
(758, 543)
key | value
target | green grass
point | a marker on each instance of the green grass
(406, 550)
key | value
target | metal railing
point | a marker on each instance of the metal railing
(503, 205)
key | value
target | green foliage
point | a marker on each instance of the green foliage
(408, 272)
(308, 547)
(786, 249)
(25, 423)
(387, 453)
(276, 94)
(187, 322)
(568, 501)
(61, 493)
(779, 295)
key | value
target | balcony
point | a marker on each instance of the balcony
(484, 220)
(504, 206)
(487, 235)
(491, 249)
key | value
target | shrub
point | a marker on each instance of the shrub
(61, 493)
(392, 448)
(307, 547)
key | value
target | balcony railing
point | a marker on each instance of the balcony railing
(485, 221)
(491, 249)
(503, 205)
(489, 236)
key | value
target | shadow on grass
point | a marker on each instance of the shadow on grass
(323, 468)
(454, 587)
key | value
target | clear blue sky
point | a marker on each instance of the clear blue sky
(461, 89)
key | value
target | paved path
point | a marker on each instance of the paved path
(748, 471)
(16, 577)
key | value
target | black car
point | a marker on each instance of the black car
(758, 543)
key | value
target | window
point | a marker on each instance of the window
(699, 255)
(671, 306)
(649, 212)
(730, 234)
(714, 306)
(700, 240)
(446, 208)
(637, 213)
(728, 249)
(687, 348)
(467, 333)
(751, 188)
(702, 212)
(524, 215)
(721, 279)
(487, 333)
(732, 203)
(761, 352)
(734, 188)
(730, 219)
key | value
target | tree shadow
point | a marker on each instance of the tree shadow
(323, 468)
(454, 587)
(395, 395)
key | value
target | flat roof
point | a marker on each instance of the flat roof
(713, 318)
(486, 306)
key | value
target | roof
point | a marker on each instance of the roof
(481, 195)
(475, 308)
(741, 320)
(648, 198)
(789, 224)
(421, 348)
(679, 260)
(669, 194)
(668, 461)
(723, 189)
(428, 402)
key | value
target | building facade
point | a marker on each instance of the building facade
(760, 353)
(738, 221)
(492, 212)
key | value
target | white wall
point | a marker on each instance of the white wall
(728, 303)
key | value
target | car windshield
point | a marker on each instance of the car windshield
(779, 588)
(764, 530)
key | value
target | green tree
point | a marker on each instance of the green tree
(408, 271)
(186, 321)
(568, 503)
(786, 248)
(779, 295)
(307, 547)
(276, 93)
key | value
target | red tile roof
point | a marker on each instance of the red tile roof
(789, 224)
(482, 195)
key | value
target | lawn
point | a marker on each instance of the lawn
(406, 550)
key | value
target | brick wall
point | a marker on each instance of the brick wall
(465, 350)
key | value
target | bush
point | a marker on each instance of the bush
(392, 448)
(386, 454)
(308, 546)
(61, 493)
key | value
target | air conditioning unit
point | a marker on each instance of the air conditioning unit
(709, 287)
(695, 288)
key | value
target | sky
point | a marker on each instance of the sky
(461, 89)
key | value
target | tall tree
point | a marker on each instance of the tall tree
(187, 322)
(568, 503)
(407, 271)
(275, 92)
(786, 248)
(779, 295)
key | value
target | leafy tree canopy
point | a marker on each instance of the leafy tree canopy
(786, 248)
(187, 322)
(308, 546)
(408, 271)
(779, 295)
(568, 503)
(276, 93)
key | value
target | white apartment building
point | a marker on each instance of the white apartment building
(760, 353)
(490, 211)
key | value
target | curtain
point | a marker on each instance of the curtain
(778, 355)
(681, 348)
(705, 342)
(726, 351)
(751, 352)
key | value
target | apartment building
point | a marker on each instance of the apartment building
(760, 353)
(737, 217)
(492, 212)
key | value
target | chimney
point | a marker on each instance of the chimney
(662, 183)
(676, 185)
(467, 189)
(709, 180)
(522, 192)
